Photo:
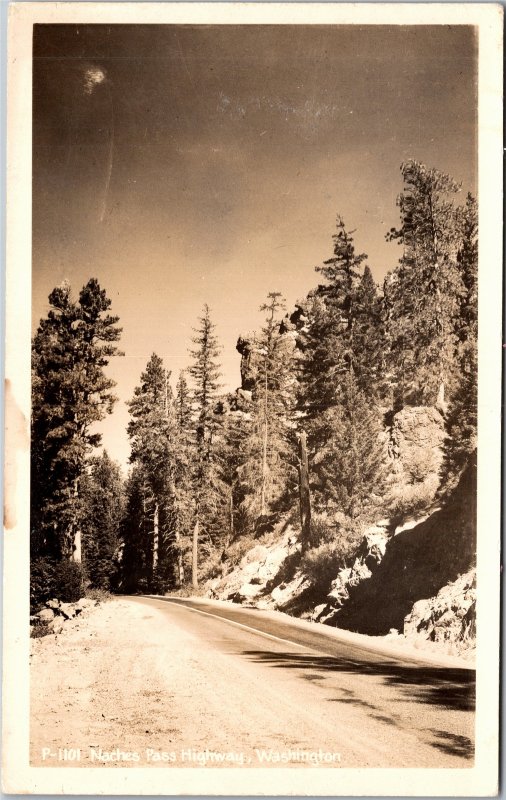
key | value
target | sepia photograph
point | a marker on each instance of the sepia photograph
(248, 387)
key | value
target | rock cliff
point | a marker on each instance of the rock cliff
(416, 565)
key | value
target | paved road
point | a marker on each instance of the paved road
(273, 686)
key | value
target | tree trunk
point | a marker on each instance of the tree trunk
(72, 539)
(264, 471)
(177, 535)
(77, 554)
(195, 580)
(180, 565)
(441, 403)
(264, 448)
(231, 518)
(155, 538)
(304, 494)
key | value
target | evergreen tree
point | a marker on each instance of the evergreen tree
(184, 476)
(427, 287)
(182, 404)
(232, 448)
(205, 372)
(369, 338)
(153, 436)
(461, 422)
(103, 511)
(267, 467)
(341, 384)
(209, 493)
(136, 533)
(348, 466)
(70, 392)
(462, 418)
(328, 342)
(467, 261)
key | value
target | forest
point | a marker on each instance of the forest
(302, 441)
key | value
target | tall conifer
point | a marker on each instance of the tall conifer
(70, 392)
(209, 495)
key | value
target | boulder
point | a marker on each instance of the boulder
(318, 611)
(68, 610)
(285, 593)
(417, 564)
(419, 617)
(58, 624)
(416, 439)
(245, 592)
(449, 616)
(84, 604)
(369, 555)
(46, 615)
(258, 553)
(54, 604)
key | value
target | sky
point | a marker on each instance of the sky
(183, 165)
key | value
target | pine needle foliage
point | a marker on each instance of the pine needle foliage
(103, 501)
(267, 465)
(70, 392)
(426, 288)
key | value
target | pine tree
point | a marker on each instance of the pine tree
(184, 476)
(152, 432)
(369, 339)
(328, 341)
(232, 449)
(209, 494)
(467, 262)
(462, 418)
(182, 404)
(427, 287)
(348, 466)
(205, 372)
(341, 384)
(136, 535)
(268, 458)
(103, 511)
(70, 392)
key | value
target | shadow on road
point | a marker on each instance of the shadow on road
(453, 689)
(452, 744)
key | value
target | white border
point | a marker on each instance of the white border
(18, 776)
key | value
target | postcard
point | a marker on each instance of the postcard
(253, 399)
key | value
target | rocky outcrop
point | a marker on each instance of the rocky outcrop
(447, 618)
(416, 440)
(267, 576)
(256, 568)
(417, 563)
(397, 583)
(415, 452)
(52, 618)
(245, 346)
(369, 555)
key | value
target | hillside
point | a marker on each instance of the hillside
(419, 581)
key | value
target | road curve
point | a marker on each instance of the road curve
(287, 688)
(164, 682)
